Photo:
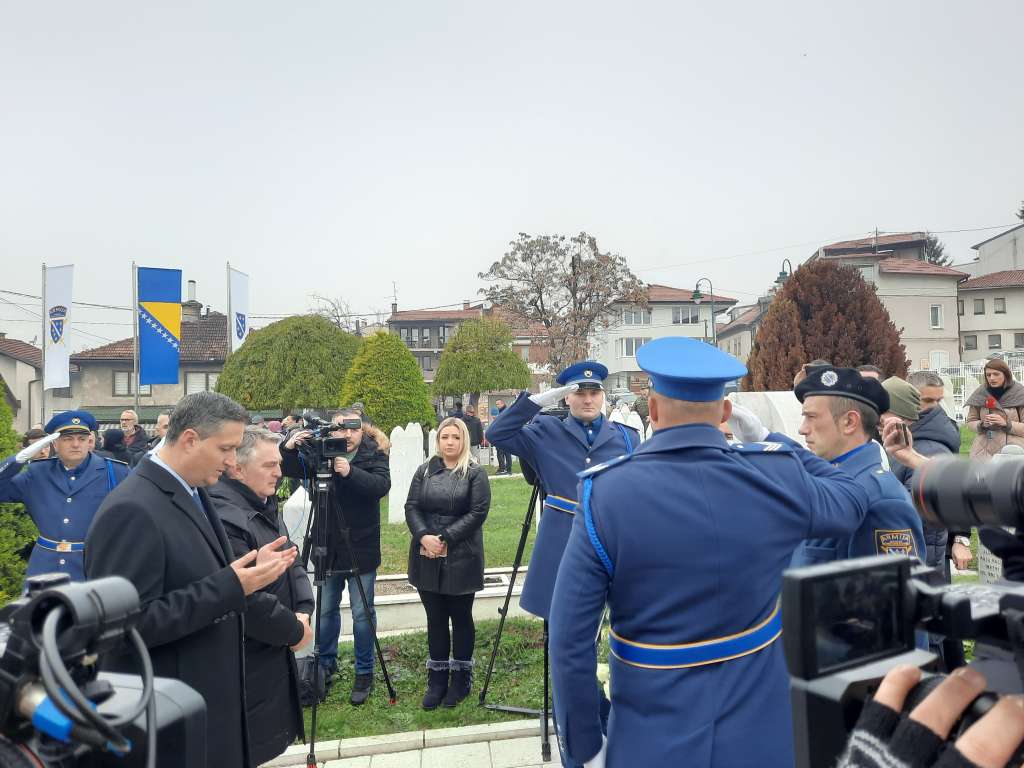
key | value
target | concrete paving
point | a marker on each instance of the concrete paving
(506, 753)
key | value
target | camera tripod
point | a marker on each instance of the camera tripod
(544, 712)
(320, 516)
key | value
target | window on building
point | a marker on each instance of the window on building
(685, 315)
(1000, 306)
(1018, 341)
(937, 359)
(524, 352)
(995, 341)
(414, 334)
(636, 317)
(960, 306)
(427, 362)
(200, 381)
(124, 385)
(60, 392)
(867, 271)
(970, 342)
(627, 347)
(403, 333)
(936, 315)
(979, 306)
(426, 335)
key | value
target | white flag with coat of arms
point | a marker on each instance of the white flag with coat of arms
(238, 307)
(57, 306)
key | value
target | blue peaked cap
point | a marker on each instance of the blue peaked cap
(688, 369)
(586, 373)
(71, 421)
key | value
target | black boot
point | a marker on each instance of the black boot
(361, 689)
(461, 682)
(437, 683)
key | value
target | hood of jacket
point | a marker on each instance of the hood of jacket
(237, 495)
(936, 426)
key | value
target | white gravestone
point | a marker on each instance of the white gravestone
(406, 457)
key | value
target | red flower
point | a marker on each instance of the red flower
(991, 403)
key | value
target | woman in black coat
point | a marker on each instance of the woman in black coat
(448, 502)
(277, 619)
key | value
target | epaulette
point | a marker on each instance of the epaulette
(762, 447)
(591, 471)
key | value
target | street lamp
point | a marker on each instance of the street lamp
(698, 297)
(783, 274)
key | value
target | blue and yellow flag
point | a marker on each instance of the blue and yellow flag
(159, 325)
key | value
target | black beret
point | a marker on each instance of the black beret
(844, 382)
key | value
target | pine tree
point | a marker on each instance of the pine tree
(387, 380)
(16, 528)
(479, 358)
(935, 251)
(1020, 213)
(824, 311)
(297, 362)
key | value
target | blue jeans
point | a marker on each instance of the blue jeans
(362, 625)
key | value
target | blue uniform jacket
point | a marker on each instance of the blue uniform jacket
(892, 525)
(61, 504)
(699, 533)
(557, 449)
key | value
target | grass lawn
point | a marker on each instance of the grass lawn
(504, 525)
(966, 438)
(517, 681)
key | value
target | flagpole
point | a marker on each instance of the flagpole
(135, 331)
(42, 377)
(231, 317)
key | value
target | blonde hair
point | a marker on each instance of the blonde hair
(462, 464)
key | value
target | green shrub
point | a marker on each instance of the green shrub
(16, 528)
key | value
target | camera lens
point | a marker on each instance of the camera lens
(950, 492)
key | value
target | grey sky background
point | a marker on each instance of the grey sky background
(339, 147)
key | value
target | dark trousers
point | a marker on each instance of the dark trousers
(504, 460)
(458, 642)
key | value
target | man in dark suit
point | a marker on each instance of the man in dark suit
(159, 529)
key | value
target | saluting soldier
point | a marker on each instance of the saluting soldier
(558, 449)
(61, 493)
(686, 540)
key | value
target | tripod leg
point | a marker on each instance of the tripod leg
(545, 741)
(503, 611)
(311, 761)
(393, 696)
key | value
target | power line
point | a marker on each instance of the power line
(38, 317)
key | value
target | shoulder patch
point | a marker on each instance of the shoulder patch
(762, 447)
(889, 542)
(604, 465)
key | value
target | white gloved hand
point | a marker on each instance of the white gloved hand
(553, 396)
(597, 761)
(27, 453)
(746, 426)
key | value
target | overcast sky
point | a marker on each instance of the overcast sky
(338, 147)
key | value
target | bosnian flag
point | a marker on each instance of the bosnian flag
(159, 325)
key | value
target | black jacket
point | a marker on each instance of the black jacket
(137, 443)
(150, 531)
(476, 430)
(454, 506)
(271, 680)
(355, 504)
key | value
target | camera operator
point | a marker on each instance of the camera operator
(277, 617)
(362, 478)
(884, 738)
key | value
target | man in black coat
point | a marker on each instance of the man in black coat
(362, 478)
(159, 529)
(277, 620)
(476, 437)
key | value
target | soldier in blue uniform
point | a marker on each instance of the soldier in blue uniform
(686, 541)
(61, 493)
(558, 449)
(841, 410)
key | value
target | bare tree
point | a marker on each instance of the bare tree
(337, 310)
(568, 285)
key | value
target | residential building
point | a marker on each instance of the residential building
(426, 331)
(105, 385)
(669, 312)
(991, 311)
(921, 298)
(1001, 253)
(21, 368)
(737, 336)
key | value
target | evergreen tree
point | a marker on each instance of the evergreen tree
(17, 530)
(387, 380)
(297, 362)
(479, 358)
(1020, 213)
(825, 311)
(935, 251)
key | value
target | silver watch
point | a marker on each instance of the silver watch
(963, 541)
